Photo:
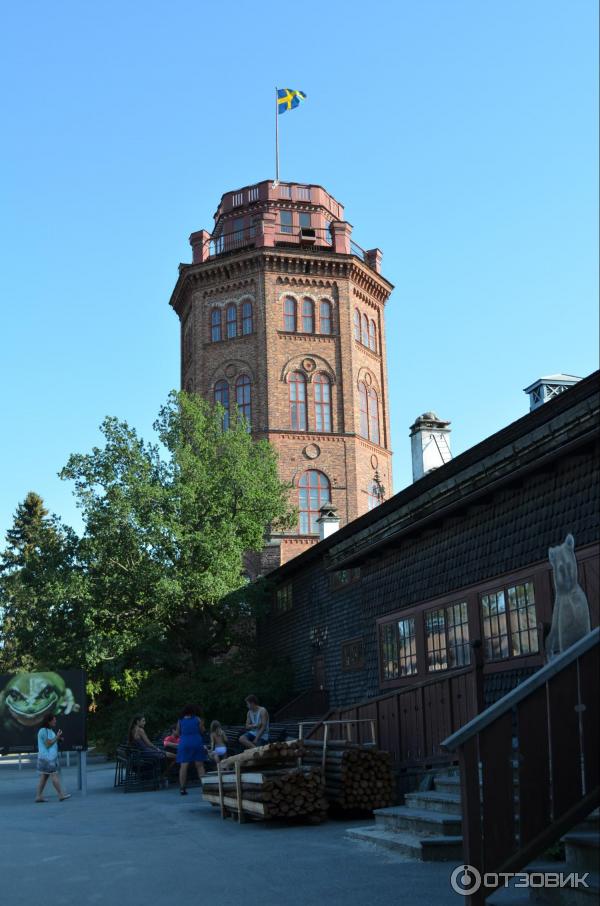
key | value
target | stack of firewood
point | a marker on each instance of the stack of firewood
(356, 777)
(266, 783)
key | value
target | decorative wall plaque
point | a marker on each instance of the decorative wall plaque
(230, 371)
(309, 364)
(374, 461)
(353, 655)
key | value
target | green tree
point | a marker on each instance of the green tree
(167, 526)
(41, 592)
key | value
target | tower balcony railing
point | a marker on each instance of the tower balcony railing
(307, 239)
(270, 234)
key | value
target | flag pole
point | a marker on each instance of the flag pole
(276, 140)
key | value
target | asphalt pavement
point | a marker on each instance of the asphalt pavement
(162, 849)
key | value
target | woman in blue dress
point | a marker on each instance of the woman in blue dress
(191, 745)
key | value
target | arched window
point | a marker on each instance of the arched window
(247, 325)
(314, 491)
(231, 321)
(243, 398)
(215, 325)
(325, 317)
(297, 383)
(222, 397)
(357, 324)
(364, 410)
(289, 314)
(373, 416)
(372, 336)
(308, 316)
(364, 336)
(322, 393)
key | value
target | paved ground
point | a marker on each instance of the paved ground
(160, 848)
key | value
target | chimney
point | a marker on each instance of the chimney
(546, 388)
(430, 444)
(328, 521)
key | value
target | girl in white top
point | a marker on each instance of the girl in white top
(218, 741)
(47, 765)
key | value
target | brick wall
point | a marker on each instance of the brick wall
(270, 353)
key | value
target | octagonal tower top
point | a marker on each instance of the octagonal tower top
(279, 214)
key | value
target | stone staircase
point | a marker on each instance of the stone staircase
(582, 854)
(427, 827)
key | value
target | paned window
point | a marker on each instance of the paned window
(283, 598)
(314, 491)
(364, 409)
(373, 416)
(304, 218)
(357, 324)
(286, 221)
(238, 230)
(289, 314)
(247, 324)
(457, 631)
(447, 637)
(215, 325)
(495, 626)
(389, 652)
(322, 392)
(437, 649)
(398, 648)
(231, 319)
(243, 398)
(308, 316)
(372, 336)
(222, 397)
(407, 655)
(325, 317)
(509, 622)
(297, 385)
(523, 620)
(364, 332)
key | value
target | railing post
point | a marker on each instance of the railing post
(471, 811)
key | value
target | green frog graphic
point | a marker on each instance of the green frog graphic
(28, 697)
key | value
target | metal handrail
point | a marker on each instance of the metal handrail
(523, 690)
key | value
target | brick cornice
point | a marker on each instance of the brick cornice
(308, 265)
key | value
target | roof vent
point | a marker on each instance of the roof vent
(546, 388)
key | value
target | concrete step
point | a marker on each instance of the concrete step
(423, 849)
(421, 821)
(434, 801)
(447, 783)
(582, 850)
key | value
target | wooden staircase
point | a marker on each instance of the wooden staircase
(427, 827)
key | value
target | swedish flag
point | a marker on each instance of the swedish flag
(288, 98)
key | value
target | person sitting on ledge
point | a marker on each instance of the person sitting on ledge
(257, 725)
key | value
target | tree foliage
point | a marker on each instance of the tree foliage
(42, 589)
(156, 581)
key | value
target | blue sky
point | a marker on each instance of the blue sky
(461, 136)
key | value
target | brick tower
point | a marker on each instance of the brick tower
(282, 316)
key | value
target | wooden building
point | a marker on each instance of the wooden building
(433, 605)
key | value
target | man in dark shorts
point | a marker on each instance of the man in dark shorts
(257, 725)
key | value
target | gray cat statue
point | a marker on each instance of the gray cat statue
(571, 614)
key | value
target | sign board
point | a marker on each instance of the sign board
(26, 699)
